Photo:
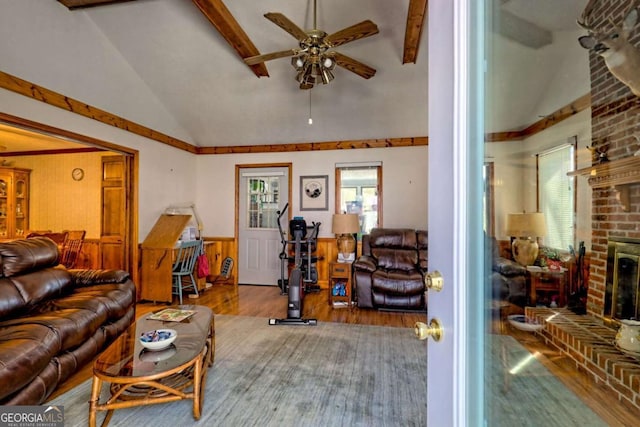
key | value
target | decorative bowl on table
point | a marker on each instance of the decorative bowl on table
(524, 323)
(158, 339)
(156, 356)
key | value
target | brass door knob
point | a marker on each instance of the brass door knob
(433, 330)
(434, 281)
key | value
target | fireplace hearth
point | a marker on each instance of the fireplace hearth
(622, 294)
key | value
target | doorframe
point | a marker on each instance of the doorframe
(454, 377)
(236, 227)
(132, 162)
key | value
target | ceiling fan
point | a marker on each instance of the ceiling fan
(313, 59)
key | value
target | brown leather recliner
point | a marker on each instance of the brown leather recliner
(53, 321)
(390, 272)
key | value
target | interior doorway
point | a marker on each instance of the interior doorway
(64, 145)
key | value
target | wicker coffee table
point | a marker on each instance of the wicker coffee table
(137, 376)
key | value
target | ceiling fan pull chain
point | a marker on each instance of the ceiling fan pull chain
(310, 119)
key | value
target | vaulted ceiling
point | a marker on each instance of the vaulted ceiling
(176, 66)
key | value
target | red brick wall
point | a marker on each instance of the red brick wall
(615, 120)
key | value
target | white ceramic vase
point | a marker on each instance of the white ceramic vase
(628, 336)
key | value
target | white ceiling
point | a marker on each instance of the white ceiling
(216, 98)
(552, 15)
(161, 63)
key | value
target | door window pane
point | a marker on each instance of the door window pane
(263, 194)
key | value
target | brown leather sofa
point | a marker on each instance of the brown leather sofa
(52, 320)
(390, 272)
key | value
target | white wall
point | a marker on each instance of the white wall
(166, 175)
(46, 44)
(580, 126)
(515, 172)
(404, 185)
(509, 171)
(169, 176)
(525, 84)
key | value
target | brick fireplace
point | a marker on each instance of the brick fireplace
(615, 123)
(615, 223)
(622, 293)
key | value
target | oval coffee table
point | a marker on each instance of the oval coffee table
(137, 376)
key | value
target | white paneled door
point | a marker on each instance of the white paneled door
(262, 193)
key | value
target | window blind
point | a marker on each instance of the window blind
(556, 195)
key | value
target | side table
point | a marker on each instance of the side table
(340, 284)
(547, 280)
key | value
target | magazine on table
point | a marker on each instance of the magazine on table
(172, 315)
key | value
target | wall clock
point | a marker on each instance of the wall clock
(77, 174)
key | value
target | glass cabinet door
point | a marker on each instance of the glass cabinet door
(21, 207)
(4, 205)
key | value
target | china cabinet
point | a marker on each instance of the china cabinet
(14, 202)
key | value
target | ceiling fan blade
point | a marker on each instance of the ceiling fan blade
(286, 24)
(252, 60)
(354, 32)
(354, 66)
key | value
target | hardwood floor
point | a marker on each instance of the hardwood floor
(266, 301)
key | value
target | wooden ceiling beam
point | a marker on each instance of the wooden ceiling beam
(546, 122)
(218, 14)
(317, 146)
(415, 22)
(80, 4)
(31, 90)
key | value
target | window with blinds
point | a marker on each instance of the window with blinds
(556, 193)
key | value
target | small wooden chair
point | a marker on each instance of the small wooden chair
(58, 238)
(72, 247)
(184, 265)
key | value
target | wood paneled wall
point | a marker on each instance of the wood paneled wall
(218, 248)
(228, 247)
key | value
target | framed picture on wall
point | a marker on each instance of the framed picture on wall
(314, 195)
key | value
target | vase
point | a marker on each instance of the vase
(628, 336)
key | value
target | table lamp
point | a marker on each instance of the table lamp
(525, 228)
(344, 226)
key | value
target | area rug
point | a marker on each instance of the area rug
(331, 374)
(523, 392)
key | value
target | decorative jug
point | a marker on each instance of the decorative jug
(628, 336)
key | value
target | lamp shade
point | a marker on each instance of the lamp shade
(526, 225)
(345, 224)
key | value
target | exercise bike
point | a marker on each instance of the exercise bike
(294, 287)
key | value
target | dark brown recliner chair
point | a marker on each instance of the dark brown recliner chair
(508, 279)
(390, 272)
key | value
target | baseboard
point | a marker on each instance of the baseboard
(403, 310)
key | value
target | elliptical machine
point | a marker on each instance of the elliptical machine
(294, 286)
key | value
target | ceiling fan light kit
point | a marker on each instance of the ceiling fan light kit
(313, 61)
